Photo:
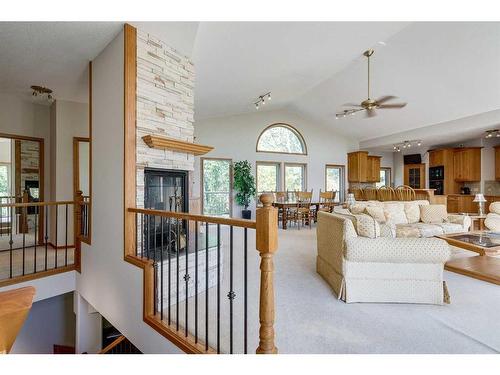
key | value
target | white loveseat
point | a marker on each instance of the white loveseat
(404, 219)
(380, 269)
(492, 221)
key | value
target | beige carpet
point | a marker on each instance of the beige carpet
(309, 318)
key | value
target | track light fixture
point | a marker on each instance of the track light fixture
(42, 92)
(406, 144)
(262, 100)
(492, 133)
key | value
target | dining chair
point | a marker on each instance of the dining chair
(303, 212)
(326, 200)
(386, 193)
(370, 193)
(405, 193)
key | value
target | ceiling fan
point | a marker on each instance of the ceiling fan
(370, 105)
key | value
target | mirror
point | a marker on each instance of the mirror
(81, 181)
(21, 181)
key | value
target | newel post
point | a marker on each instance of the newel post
(78, 214)
(267, 244)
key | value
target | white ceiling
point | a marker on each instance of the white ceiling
(51, 54)
(238, 61)
(445, 71)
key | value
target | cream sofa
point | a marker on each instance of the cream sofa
(380, 269)
(492, 221)
(405, 219)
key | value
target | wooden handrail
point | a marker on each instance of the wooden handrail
(36, 204)
(243, 223)
(116, 342)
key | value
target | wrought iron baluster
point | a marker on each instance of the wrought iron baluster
(169, 228)
(46, 234)
(206, 286)
(25, 228)
(231, 294)
(36, 237)
(178, 248)
(55, 245)
(66, 237)
(218, 288)
(142, 235)
(196, 283)
(186, 279)
(245, 297)
(161, 270)
(155, 281)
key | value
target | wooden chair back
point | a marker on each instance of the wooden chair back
(358, 193)
(386, 193)
(326, 200)
(370, 193)
(405, 193)
(281, 196)
(304, 199)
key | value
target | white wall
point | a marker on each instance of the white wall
(235, 137)
(19, 116)
(49, 322)
(107, 282)
(88, 326)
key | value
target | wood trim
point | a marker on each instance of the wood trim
(17, 165)
(76, 188)
(130, 119)
(21, 137)
(112, 345)
(89, 237)
(165, 143)
(202, 160)
(286, 125)
(38, 275)
(36, 204)
(242, 223)
(390, 174)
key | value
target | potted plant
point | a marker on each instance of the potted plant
(244, 185)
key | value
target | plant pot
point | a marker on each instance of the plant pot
(246, 214)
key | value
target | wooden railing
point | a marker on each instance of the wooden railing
(191, 261)
(121, 345)
(40, 240)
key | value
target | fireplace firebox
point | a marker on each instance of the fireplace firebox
(166, 190)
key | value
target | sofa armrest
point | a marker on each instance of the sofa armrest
(464, 220)
(396, 250)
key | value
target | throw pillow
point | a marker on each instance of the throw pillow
(366, 226)
(412, 212)
(395, 213)
(377, 213)
(357, 208)
(433, 213)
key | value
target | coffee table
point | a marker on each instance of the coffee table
(484, 266)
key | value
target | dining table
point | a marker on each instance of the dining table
(283, 207)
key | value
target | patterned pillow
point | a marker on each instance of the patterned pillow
(377, 213)
(357, 208)
(433, 213)
(395, 213)
(366, 226)
(412, 212)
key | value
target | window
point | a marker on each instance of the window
(385, 177)
(268, 177)
(281, 138)
(295, 177)
(216, 186)
(335, 181)
(4, 191)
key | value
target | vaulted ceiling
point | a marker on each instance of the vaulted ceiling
(445, 71)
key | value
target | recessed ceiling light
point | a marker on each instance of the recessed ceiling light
(382, 43)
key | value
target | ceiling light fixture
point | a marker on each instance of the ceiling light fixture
(43, 92)
(262, 99)
(491, 133)
(406, 144)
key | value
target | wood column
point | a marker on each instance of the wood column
(78, 228)
(267, 244)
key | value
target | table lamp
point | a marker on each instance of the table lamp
(350, 200)
(479, 198)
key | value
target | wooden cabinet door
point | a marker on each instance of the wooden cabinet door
(357, 166)
(452, 204)
(436, 158)
(414, 175)
(459, 165)
(373, 173)
(467, 164)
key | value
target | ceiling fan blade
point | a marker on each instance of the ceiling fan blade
(389, 106)
(384, 99)
(351, 105)
(371, 113)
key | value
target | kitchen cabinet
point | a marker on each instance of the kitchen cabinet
(357, 165)
(414, 175)
(444, 157)
(373, 172)
(497, 162)
(467, 164)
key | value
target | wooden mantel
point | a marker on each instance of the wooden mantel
(164, 143)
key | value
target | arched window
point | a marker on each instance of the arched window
(281, 138)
